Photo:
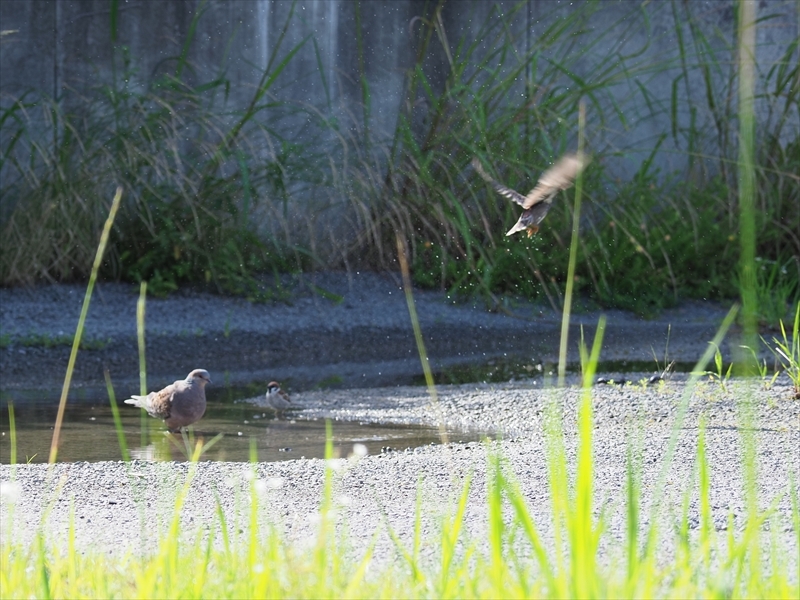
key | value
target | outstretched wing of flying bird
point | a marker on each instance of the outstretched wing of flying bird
(500, 189)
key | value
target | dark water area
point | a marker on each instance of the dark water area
(89, 433)
(515, 368)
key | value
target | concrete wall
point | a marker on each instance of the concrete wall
(58, 45)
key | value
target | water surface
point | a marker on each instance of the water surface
(88, 433)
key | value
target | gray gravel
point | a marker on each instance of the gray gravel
(122, 507)
(365, 340)
(119, 507)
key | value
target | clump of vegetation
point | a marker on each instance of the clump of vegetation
(193, 183)
(787, 351)
(645, 242)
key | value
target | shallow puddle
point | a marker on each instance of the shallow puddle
(88, 433)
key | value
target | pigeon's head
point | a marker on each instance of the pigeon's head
(200, 376)
(272, 387)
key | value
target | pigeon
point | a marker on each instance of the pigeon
(180, 404)
(536, 204)
(277, 399)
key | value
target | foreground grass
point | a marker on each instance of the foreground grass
(573, 553)
(512, 559)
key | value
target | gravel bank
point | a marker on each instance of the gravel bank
(119, 507)
(363, 338)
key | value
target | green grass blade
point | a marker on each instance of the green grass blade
(573, 256)
(144, 423)
(497, 567)
(12, 433)
(747, 180)
(112, 398)
(423, 354)
(62, 404)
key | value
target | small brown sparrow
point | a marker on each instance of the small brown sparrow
(538, 201)
(277, 399)
(179, 404)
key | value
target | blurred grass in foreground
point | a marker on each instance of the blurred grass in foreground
(512, 558)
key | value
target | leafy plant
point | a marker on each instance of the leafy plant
(763, 369)
(788, 351)
(188, 215)
(721, 375)
(776, 289)
(645, 242)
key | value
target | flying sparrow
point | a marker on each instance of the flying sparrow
(277, 399)
(538, 201)
(179, 404)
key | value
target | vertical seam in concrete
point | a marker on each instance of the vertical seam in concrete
(264, 7)
(56, 61)
(333, 27)
(528, 45)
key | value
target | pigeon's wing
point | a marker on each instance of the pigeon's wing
(160, 403)
(153, 403)
(558, 177)
(500, 189)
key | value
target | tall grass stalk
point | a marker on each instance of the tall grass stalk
(423, 354)
(704, 493)
(62, 404)
(747, 197)
(140, 338)
(747, 179)
(112, 398)
(573, 252)
(585, 534)
(12, 429)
